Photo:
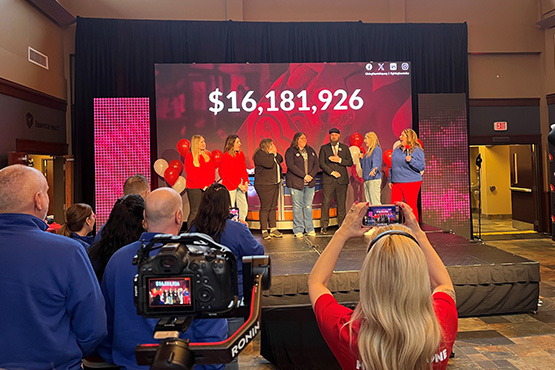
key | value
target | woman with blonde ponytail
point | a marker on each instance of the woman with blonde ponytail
(406, 317)
(371, 164)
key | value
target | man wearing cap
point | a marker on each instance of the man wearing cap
(334, 157)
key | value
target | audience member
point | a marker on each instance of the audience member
(136, 184)
(214, 220)
(406, 317)
(124, 226)
(79, 223)
(126, 329)
(52, 311)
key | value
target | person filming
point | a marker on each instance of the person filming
(406, 317)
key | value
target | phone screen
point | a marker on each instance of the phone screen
(234, 213)
(382, 215)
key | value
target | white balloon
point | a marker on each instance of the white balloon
(180, 184)
(160, 166)
(355, 153)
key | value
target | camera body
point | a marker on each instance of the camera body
(383, 215)
(191, 276)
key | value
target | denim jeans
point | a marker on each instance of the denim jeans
(302, 209)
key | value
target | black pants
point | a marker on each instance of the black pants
(268, 195)
(194, 195)
(340, 192)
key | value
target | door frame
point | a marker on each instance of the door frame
(541, 200)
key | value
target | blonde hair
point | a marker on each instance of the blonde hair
(374, 142)
(195, 151)
(412, 139)
(398, 326)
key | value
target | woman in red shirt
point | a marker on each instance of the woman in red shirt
(399, 322)
(233, 171)
(201, 173)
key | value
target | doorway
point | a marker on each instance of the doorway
(504, 196)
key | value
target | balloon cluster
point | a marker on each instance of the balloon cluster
(171, 172)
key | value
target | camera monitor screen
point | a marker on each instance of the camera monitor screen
(171, 292)
(382, 215)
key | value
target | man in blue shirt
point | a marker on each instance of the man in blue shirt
(52, 311)
(126, 329)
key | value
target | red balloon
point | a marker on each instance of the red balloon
(183, 147)
(177, 165)
(356, 139)
(421, 143)
(362, 151)
(217, 157)
(387, 157)
(171, 175)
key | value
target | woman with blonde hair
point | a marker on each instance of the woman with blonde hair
(201, 173)
(233, 171)
(407, 165)
(406, 317)
(79, 223)
(371, 164)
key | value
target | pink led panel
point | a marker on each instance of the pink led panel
(121, 148)
(445, 186)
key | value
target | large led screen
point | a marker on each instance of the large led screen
(257, 101)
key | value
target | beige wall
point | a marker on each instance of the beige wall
(22, 26)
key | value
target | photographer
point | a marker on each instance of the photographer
(126, 329)
(213, 219)
(406, 317)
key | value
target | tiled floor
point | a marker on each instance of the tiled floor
(523, 341)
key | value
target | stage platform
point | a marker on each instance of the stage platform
(487, 281)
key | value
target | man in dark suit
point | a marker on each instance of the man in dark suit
(334, 157)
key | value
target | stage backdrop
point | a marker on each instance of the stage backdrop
(257, 101)
(116, 58)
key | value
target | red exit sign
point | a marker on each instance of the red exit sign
(500, 126)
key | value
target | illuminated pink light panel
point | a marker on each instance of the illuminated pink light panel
(121, 148)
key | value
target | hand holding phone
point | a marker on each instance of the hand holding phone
(234, 213)
(383, 215)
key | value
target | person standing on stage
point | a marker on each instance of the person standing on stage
(233, 171)
(201, 173)
(267, 180)
(302, 167)
(407, 164)
(371, 164)
(335, 157)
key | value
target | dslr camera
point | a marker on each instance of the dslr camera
(191, 276)
(194, 277)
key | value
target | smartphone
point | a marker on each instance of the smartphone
(383, 215)
(234, 213)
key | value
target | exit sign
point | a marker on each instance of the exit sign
(500, 126)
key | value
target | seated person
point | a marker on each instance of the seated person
(79, 223)
(214, 219)
(124, 226)
(399, 322)
(52, 311)
(127, 329)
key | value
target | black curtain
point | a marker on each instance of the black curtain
(115, 58)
